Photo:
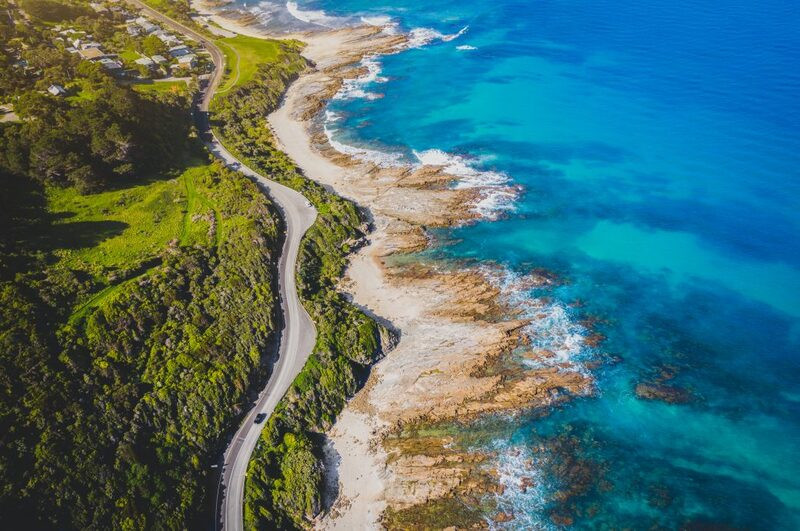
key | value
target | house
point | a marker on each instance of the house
(110, 64)
(159, 59)
(57, 90)
(179, 51)
(145, 61)
(90, 54)
(133, 31)
(147, 26)
(167, 38)
(91, 44)
(188, 61)
(71, 49)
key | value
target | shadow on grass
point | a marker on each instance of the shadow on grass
(80, 234)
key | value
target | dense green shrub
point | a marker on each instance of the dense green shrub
(284, 483)
(55, 10)
(117, 389)
(94, 142)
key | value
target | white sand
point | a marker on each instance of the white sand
(362, 471)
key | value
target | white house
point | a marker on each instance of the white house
(145, 61)
(57, 90)
(147, 26)
(159, 59)
(188, 61)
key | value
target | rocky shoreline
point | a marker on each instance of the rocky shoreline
(457, 333)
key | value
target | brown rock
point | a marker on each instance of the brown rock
(504, 517)
(665, 393)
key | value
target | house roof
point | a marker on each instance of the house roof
(187, 58)
(110, 64)
(144, 61)
(91, 53)
(56, 90)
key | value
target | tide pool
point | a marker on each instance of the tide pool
(658, 148)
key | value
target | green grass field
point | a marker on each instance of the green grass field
(243, 56)
(80, 90)
(125, 230)
(161, 86)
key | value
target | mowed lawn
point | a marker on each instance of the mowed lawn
(243, 56)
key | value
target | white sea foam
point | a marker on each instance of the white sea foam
(524, 495)
(556, 338)
(465, 47)
(419, 37)
(379, 158)
(354, 88)
(265, 11)
(319, 18)
(389, 25)
(496, 196)
(554, 332)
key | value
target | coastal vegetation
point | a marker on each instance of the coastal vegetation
(55, 10)
(284, 481)
(138, 299)
(244, 55)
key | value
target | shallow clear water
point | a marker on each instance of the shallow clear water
(658, 145)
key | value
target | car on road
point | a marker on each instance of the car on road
(260, 418)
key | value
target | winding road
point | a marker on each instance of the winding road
(299, 334)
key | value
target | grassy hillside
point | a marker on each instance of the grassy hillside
(149, 313)
(244, 55)
(138, 296)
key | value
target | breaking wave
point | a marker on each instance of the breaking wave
(319, 18)
(354, 88)
(497, 196)
(379, 158)
(419, 37)
(523, 496)
(554, 337)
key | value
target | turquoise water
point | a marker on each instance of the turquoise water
(657, 145)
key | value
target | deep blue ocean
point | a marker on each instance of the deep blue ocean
(657, 146)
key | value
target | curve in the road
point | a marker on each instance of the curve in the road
(299, 334)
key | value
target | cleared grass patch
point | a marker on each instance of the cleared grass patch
(116, 229)
(243, 56)
(178, 87)
(119, 235)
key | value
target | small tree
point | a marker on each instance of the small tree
(152, 45)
